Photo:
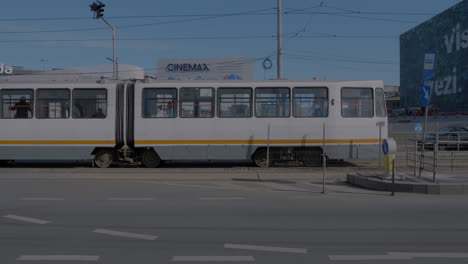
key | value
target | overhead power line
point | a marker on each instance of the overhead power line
(141, 25)
(317, 35)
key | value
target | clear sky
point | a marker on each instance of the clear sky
(336, 39)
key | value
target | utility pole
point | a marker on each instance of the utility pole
(98, 8)
(280, 51)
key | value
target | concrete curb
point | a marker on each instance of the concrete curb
(375, 182)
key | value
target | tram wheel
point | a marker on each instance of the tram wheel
(150, 158)
(260, 158)
(104, 158)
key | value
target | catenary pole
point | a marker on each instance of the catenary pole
(280, 51)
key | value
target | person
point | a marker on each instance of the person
(22, 108)
(161, 112)
(317, 110)
(99, 114)
(170, 110)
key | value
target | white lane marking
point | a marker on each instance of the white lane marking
(130, 199)
(58, 258)
(41, 199)
(27, 219)
(233, 186)
(265, 248)
(282, 187)
(222, 198)
(124, 234)
(213, 258)
(430, 254)
(399, 256)
(368, 257)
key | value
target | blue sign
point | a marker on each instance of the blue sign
(385, 147)
(425, 95)
(429, 66)
(417, 128)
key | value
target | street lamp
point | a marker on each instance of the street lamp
(98, 9)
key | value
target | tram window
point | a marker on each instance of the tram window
(235, 102)
(380, 110)
(357, 102)
(310, 102)
(272, 102)
(17, 103)
(159, 102)
(52, 103)
(196, 102)
(89, 103)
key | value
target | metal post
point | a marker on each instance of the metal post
(280, 51)
(393, 176)
(380, 145)
(451, 162)
(407, 152)
(415, 157)
(436, 149)
(115, 74)
(421, 162)
(268, 146)
(324, 161)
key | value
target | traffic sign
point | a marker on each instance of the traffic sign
(385, 147)
(417, 128)
(425, 95)
(429, 65)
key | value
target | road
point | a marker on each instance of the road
(50, 216)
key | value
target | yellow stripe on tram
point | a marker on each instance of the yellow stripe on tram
(57, 142)
(255, 141)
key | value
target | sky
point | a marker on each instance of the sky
(335, 39)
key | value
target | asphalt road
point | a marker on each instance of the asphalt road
(123, 220)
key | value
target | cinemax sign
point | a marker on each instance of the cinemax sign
(4, 69)
(187, 67)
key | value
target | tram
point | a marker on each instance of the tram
(148, 121)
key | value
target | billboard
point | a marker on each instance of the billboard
(447, 35)
(206, 69)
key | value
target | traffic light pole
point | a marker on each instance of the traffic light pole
(115, 72)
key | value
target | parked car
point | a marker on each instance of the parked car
(454, 137)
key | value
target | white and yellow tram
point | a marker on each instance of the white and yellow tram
(148, 121)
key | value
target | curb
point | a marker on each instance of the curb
(374, 182)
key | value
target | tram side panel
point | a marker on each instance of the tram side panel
(222, 138)
(66, 127)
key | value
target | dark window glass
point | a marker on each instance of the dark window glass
(196, 102)
(234, 102)
(159, 102)
(17, 103)
(380, 110)
(272, 102)
(89, 103)
(357, 102)
(310, 102)
(53, 103)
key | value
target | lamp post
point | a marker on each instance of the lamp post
(98, 9)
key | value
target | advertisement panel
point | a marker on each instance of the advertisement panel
(206, 69)
(447, 35)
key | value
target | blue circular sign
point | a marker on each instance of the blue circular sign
(417, 128)
(385, 146)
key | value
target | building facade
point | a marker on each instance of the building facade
(446, 34)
